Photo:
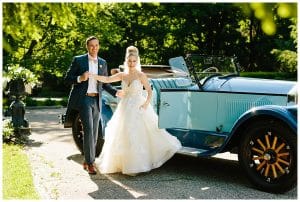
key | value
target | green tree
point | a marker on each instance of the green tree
(43, 37)
(277, 26)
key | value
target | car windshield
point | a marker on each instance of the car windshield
(204, 66)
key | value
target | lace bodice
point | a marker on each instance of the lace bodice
(133, 88)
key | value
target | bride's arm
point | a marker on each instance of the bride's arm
(145, 82)
(108, 79)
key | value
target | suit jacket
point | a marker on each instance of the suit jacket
(79, 65)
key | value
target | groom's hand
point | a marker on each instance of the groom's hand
(120, 93)
(84, 76)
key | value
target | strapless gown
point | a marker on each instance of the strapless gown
(133, 141)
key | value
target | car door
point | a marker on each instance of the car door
(185, 109)
(190, 115)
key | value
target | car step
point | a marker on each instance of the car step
(191, 151)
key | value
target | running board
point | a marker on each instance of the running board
(191, 151)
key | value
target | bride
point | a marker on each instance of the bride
(133, 141)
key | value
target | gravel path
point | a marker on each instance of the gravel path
(58, 173)
(55, 160)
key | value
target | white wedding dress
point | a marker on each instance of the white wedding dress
(133, 141)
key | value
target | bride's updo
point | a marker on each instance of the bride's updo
(132, 51)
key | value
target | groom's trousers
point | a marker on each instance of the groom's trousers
(90, 116)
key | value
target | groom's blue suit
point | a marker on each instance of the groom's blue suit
(89, 107)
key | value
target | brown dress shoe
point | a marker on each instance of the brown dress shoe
(92, 170)
(85, 166)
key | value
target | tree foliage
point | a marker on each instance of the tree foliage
(43, 37)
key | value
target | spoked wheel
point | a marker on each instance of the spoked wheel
(77, 132)
(268, 154)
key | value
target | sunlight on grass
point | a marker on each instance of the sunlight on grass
(17, 178)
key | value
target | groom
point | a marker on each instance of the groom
(85, 96)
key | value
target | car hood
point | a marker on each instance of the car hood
(250, 85)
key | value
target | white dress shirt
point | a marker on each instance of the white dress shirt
(93, 69)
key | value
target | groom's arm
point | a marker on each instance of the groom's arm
(73, 72)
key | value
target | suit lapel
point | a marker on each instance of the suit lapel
(100, 67)
(100, 72)
(86, 63)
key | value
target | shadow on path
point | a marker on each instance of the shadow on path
(107, 187)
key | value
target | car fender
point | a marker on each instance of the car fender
(106, 113)
(287, 115)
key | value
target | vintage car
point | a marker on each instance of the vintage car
(204, 102)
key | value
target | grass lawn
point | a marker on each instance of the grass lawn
(17, 179)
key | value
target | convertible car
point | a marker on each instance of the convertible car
(204, 102)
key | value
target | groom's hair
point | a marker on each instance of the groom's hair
(89, 39)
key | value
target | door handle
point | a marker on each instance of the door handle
(165, 104)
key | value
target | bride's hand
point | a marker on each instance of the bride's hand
(93, 76)
(120, 93)
(97, 77)
(144, 106)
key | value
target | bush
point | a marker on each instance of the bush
(31, 102)
(8, 130)
(50, 102)
(46, 102)
(271, 75)
(15, 72)
(12, 134)
(287, 60)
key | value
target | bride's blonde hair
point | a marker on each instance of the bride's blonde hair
(132, 51)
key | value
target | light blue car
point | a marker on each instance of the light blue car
(204, 102)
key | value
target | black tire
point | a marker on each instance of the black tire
(77, 132)
(268, 155)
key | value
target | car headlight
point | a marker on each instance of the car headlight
(292, 100)
(292, 97)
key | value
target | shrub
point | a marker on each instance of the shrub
(31, 102)
(47, 102)
(8, 130)
(12, 134)
(287, 60)
(15, 72)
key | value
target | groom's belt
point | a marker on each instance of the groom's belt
(92, 94)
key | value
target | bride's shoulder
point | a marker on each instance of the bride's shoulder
(142, 76)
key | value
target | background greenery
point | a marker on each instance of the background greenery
(43, 37)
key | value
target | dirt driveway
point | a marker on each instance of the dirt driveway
(58, 174)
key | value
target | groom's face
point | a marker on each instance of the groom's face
(93, 47)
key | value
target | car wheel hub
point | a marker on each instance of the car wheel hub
(270, 156)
